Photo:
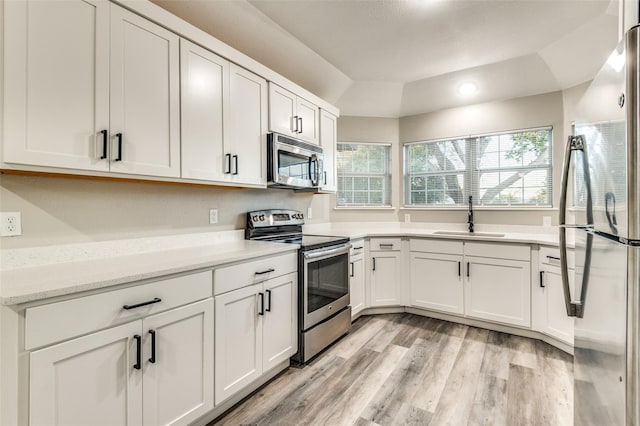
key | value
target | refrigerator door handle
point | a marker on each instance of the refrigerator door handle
(574, 143)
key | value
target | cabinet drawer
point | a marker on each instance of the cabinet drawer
(499, 251)
(233, 277)
(385, 244)
(357, 248)
(58, 321)
(551, 256)
(436, 246)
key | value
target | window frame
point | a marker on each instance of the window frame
(471, 174)
(387, 175)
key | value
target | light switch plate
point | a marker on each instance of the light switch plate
(213, 216)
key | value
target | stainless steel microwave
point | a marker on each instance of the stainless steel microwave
(292, 163)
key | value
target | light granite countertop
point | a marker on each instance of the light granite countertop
(44, 272)
(37, 273)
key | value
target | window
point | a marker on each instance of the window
(501, 169)
(364, 175)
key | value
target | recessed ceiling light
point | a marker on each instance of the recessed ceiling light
(467, 89)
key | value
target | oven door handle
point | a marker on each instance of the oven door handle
(316, 254)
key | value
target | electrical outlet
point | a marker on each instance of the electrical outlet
(407, 217)
(546, 221)
(309, 213)
(213, 216)
(10, 224)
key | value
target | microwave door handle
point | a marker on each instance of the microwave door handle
(313, 171)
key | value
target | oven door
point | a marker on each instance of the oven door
(325, 283)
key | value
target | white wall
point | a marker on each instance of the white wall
(64, 210)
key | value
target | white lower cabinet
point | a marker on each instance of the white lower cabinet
(436, 282)
(255, 330)
(548, 296)
(357, 292)
(498, 290)
(157, 371)
(386, 278)
(487, 281)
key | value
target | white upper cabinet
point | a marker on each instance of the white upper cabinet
(56, 83)
(204, 97)
(248, 105)
(145, 120)
(224, 119)
(328, 140)
(293, 116)
(91, 87)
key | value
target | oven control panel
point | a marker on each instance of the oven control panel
(264, 218)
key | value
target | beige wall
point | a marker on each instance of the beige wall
(370, 129)
(527, 112)
(60, 210)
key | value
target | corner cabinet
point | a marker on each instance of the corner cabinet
(386, 271)
(256, 324)
(224, 119)
(152, 369)
(107, 100)
(292, 115)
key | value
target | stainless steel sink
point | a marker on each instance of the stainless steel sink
(469, 234)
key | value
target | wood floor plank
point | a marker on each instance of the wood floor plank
(403, 369)
(357, 397)
(454, 405)
(436, 371)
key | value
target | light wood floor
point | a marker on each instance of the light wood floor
(405, 369)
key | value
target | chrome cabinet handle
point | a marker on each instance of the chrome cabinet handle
(300, 128)
(294, 128)
(386, 246)
(574, 143)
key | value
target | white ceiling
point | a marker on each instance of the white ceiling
(391, 58)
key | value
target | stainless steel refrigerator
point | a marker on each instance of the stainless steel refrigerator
(600, 200)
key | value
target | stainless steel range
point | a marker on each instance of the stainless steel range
(324, 313)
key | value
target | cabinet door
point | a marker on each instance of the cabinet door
(203, 99)
(386, 279)
(178, 364)
(556, 321)
(356, 285)
(282, 110)
(328, 138)
(145, 106)
(238, 340)
(280, 326)
(498, 290)
(248, 127)
(88, 381)
(56, 71)
(436, 282)
(309, 126)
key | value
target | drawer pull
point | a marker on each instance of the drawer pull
(266, 271)
(138, 363)
(553, 258)
(386, 246)
(358, 248)
(152, 360)
(138, 305)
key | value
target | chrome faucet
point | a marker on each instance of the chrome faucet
(470, 214)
